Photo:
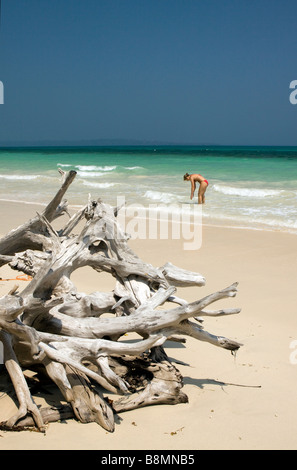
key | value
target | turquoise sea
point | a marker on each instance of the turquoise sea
(250, 187)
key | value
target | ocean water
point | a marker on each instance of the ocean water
(249, 187)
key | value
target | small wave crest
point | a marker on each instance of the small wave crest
(98, 185)
(88, 168)
(158, 196)
(246, 192)
(20, 177)
(134, 168)
(88, 174)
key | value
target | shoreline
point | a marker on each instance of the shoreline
(73, 208)
(254, 392)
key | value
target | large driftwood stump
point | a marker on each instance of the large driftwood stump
(51, 327)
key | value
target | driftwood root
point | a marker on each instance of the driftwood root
(79, 340)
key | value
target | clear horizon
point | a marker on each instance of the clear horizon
(111, 145)
(151, 72)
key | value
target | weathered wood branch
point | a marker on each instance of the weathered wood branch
(31, 234)
(26, 402)
(80, 340)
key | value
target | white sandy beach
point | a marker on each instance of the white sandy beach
(242, 402)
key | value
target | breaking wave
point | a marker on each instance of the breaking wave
(95, 168)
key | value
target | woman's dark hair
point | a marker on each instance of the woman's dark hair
(186, 176)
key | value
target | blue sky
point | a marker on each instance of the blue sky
(172, 71)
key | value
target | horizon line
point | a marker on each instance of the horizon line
(126, 143)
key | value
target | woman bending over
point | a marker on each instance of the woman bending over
(203, 183)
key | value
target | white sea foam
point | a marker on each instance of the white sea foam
(88, 174)
(134, 167)
(20, 177)
(160, 196)
(95, 168)
(246, 192)
(98, 185)
(253, 219)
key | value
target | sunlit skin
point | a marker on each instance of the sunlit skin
(203, 183)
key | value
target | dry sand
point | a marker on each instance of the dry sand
(242, 402)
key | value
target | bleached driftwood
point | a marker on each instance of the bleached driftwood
(50, 326)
